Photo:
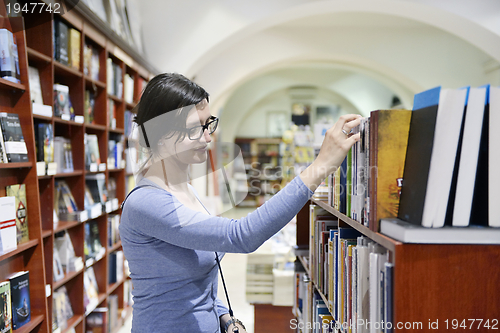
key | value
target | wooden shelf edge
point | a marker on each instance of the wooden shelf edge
(66, 70)
(34, 54)
(20, 248)
(69, 174)
(96, 127)
(46, 233)
(33, 323)
(6, 84)
(99, 84)
(114, 247)
(66, 278)
(73, 322)
(112, 287)
(383, 240)
(16, 165)
(115, 98)
(64, 225)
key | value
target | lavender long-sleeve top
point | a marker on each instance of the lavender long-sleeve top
(170, 251)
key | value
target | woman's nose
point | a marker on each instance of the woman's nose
(207, 136)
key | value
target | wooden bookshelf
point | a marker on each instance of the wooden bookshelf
(431, 281)
(35, 43)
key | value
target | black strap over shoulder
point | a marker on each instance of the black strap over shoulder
(133, 190)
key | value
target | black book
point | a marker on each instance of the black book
(61, 42)
(20, 295)
(44, 143)
(13, 138)
(418, 155)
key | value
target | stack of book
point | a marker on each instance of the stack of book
(15, 301)
(115, 78)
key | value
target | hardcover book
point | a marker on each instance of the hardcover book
(8, 230)
(5, 308)
(92, 155)
(61, 42)
(89, 107)
(19, 192)
(74, 48)
(62, 103)
(15, 147)
(35, 85)
(44, 142)
(20, 293)
(3, 154)
(9, 57)
(389, 138)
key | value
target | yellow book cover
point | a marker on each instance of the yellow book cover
(74, 48)
(19, 191)
(390, 143)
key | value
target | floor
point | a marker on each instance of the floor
(234, 270)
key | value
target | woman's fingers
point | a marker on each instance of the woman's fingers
(348, 122)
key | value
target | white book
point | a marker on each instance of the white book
(374, 296)
(469, 156)
(494, 159)
(363, 287)
(447, 133)
(8, 228)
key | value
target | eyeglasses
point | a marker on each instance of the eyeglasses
(195, 133)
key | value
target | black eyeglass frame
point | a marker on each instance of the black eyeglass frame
(209, 122)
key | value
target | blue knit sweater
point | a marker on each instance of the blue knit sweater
(170, 251)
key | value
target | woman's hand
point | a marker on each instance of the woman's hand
(334, 149)
(230, 329)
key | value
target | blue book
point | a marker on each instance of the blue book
(20, 296)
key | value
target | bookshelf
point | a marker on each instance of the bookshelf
(262, 160)
(431, 282)
(35, 44)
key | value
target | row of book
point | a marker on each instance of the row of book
(9, 57)
(66, 44)
(15, 305)
(432, 166)
(64, 257)
(14, 228)
(352, 273)
(93, 161)
(99, 198)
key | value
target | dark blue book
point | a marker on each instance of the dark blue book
(20, 296)
(343, 187)
(389, 270)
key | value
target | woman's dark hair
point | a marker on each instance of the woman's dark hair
(165, 93)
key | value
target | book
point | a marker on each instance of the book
(93, 248)
(9, 58)
(44, 136)
(89, 107)
(443, 169)
(74, 48)
(61, 42)
(471, 160)
(69, 261)
(97, 186)
(111, 113)
(5, 308)
(62, 104)
(8, 229)
(3, 154)
(13, 139)
(63, 154)
(20, 294)
(91, 290)
(35, 85)
(19, 192)
(388, 141)
(63, 306)
(410, 233)
(97, 321)
(92, 156)
(128, 88)
(57, 265)
(494, 158)
(87, 59)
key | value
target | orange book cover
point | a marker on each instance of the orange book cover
(390, 139)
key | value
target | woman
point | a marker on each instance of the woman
(167, 235)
